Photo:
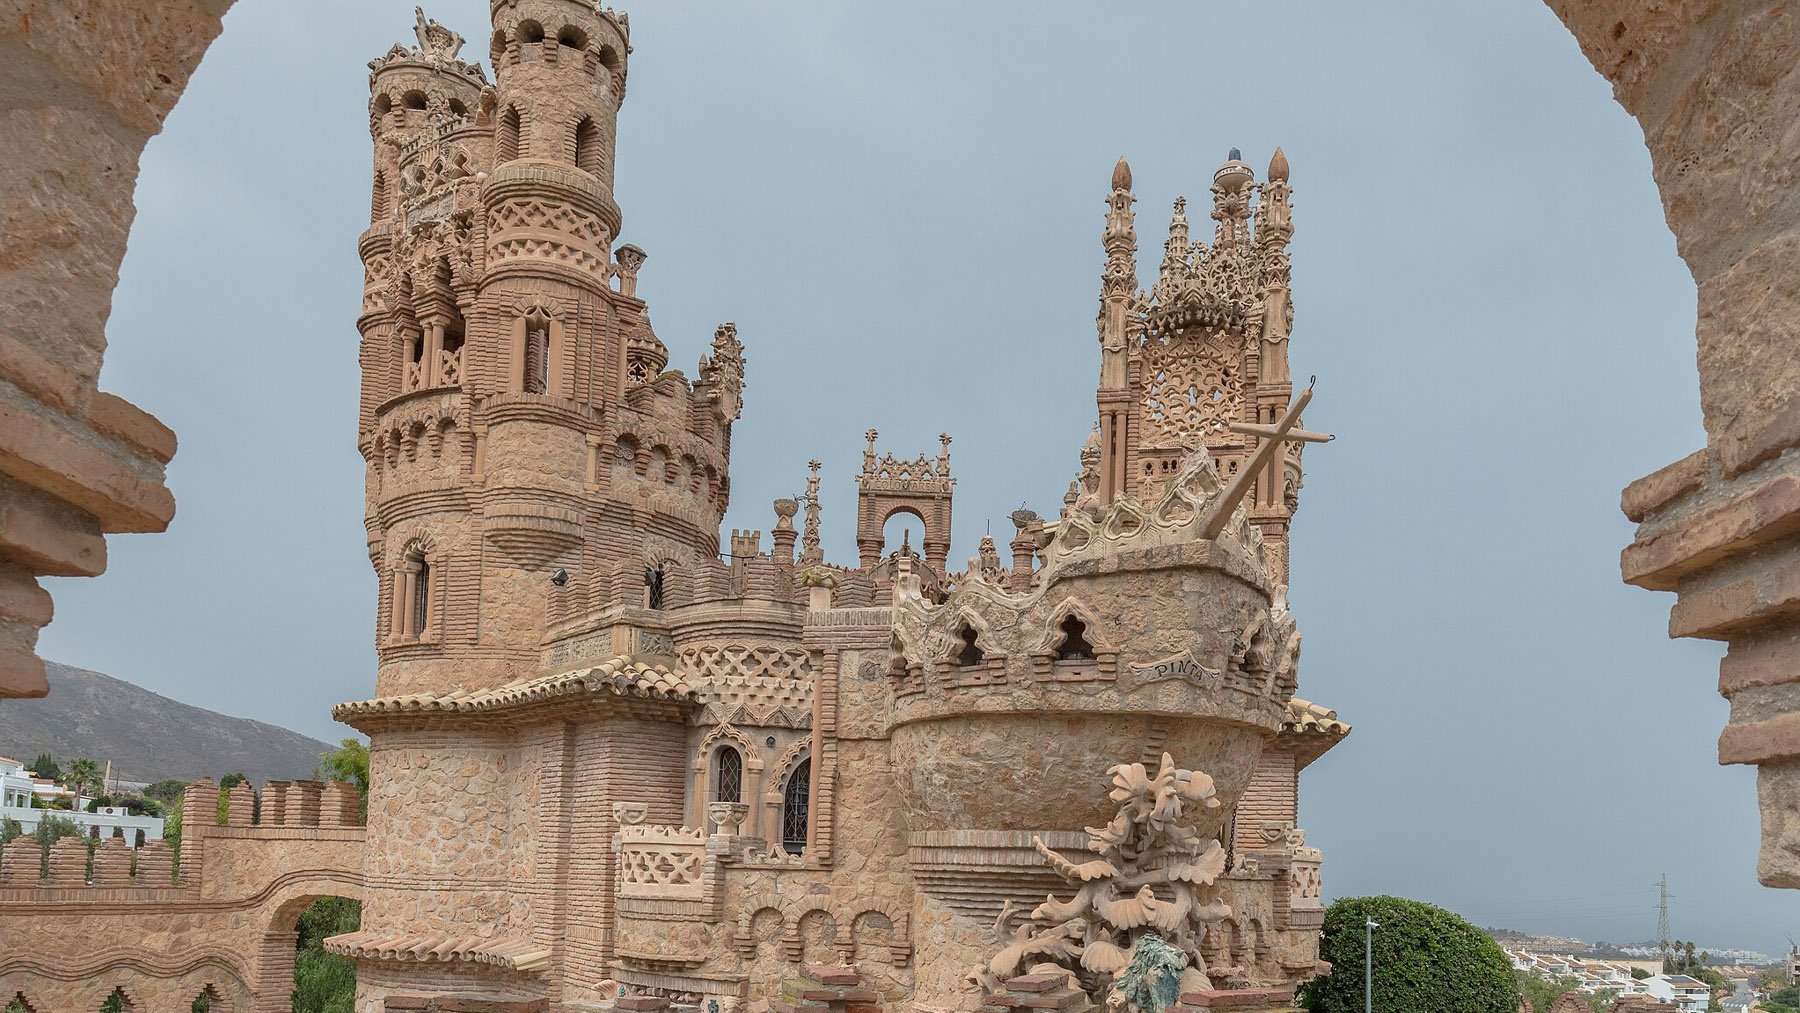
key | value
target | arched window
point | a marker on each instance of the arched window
(655, 580)
(971, 652)
(537, 360)
(1074, 644)
(506, 142)
(414, 99)
(450, 362)
(412, 594)
(796, 799)
(587, 146)
(728, 775)
(571, 38)
(609, 58)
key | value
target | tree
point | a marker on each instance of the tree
(1639, 973)
(230, 781)
(165, 792)
(9, 829)
(45, 766)
(1427, 960)
(348, 762)
(81, 774)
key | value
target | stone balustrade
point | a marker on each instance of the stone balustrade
(662, 862)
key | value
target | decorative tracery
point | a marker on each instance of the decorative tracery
(1193, 388)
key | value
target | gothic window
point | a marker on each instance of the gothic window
(654, 577)
(506, 142)
(796, 798)
(635, 374)
(1074, 644)
(587, 146)
(537, 357)
(450, 365)
(421, 598)
(728, 775)
(970, 654)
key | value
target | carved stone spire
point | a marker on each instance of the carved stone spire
(1175, 249)
(723, 371)
(810, 553)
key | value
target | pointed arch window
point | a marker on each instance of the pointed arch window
(656, 596)
(970, 653)
(728, 775)
(1074, 645)
(796, 803)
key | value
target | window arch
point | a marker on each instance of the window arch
(414, 99)
(796, 806)
(970, 652)
(728, 775)
(572, 37)
(1072, 643)
(418, 592)
(587, 146)
(530, 32)
(506, 142)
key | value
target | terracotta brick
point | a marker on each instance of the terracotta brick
(1761, 438)
(122, 420)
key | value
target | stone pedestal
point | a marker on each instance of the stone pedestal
(822, 988)
(1029, 993)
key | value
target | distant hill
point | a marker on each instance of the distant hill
(148, 737)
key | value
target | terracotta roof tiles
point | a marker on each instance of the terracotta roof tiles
(622, 676)
(505, 951)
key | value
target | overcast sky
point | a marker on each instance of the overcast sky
(900, 206)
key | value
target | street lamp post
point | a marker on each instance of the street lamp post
(1369, 927)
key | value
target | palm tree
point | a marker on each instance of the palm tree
(79, 774)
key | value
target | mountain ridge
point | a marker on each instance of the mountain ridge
(147, 736)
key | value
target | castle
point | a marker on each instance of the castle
(618, 764)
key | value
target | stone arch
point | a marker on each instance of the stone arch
(952, 646)
(272, 973)
(764, 926)
(817, 937)
(1055, 633)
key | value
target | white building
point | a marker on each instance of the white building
(1686, 993)
(18, 786)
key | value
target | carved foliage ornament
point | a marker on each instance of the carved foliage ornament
(1123, 941)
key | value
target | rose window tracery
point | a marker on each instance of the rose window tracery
(1193, 389)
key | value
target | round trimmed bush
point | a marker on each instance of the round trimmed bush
(1427, 960)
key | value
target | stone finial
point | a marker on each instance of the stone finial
(869, 452)
(1121, 177)
(785, 509)
(1278, 166)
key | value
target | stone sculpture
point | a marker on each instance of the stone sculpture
(1115, 934)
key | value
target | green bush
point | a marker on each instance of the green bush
(1427, 960)
(324, 982)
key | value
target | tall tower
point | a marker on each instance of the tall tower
(518, 417)
(1204, 351)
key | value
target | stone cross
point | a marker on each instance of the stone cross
(1271, 440)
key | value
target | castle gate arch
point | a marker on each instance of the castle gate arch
(1699, 77)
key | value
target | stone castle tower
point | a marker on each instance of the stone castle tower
(518, 417)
